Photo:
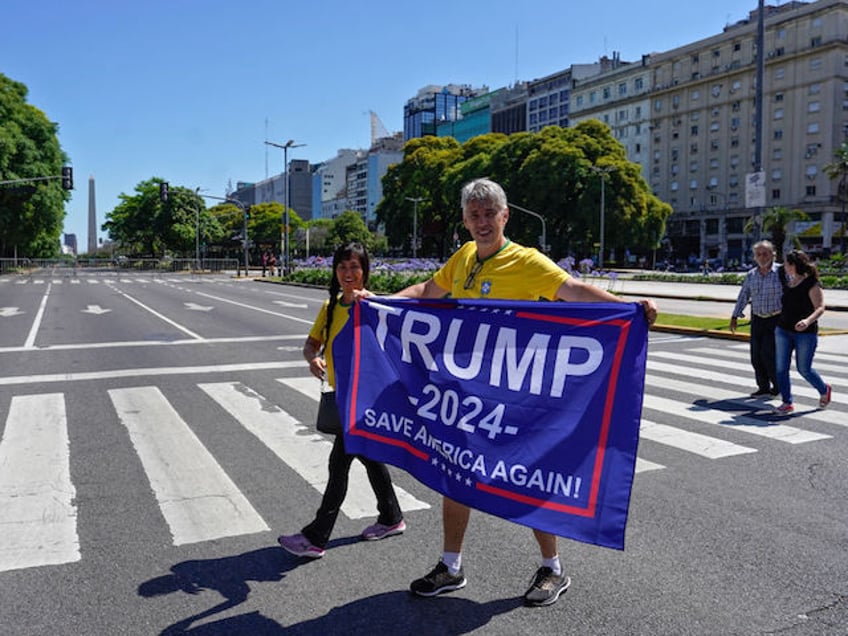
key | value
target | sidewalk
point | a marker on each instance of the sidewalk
(835, 300)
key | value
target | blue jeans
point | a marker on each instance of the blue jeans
(804, 345)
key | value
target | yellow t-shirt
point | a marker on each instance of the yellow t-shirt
(514, 272)
(341, 313)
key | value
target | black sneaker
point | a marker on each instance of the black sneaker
(761, 393)
(438, 581)
(546, 587)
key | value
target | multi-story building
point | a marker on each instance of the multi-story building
(474, 118)
(364, 177)
(274, 189)
(69, 241)
(329, 185)
(698, 103)
(433, 105)
(548, 98)
(509, 109)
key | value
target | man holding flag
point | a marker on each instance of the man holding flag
(493, 267)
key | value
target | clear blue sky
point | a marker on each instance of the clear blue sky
(183, 89)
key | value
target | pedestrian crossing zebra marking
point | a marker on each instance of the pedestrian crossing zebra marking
(731, 421)
(299, 446)
(712, 376)
(37, 510)
(799, 385)
(825, 362)
(703, 445)
(197, 498)
(644, 466)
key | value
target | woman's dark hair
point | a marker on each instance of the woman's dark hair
(345, 252)
(802, 264)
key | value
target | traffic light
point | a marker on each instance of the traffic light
(67, 178)
(163, 191)
(247, 212)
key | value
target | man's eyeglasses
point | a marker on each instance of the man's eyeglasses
(469, 282)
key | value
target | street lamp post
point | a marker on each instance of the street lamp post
(544, 237)
(243, 209)
(284, 234)
(416, 201)
(602, 172)
(196, 230)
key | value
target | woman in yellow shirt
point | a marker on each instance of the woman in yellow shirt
(350, 269)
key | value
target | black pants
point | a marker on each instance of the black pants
(762, 352)
(318, 532)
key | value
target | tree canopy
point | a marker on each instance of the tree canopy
(143, 225)
(31, 213)
(549, 172)
(775, 222)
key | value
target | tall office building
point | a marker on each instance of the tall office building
(688, 116)
(434, 105)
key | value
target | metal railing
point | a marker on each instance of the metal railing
(28, 266)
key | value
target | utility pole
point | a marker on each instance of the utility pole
(416, 201)
(544, 237)
(245, 212)
(603, 173)
(284, 238)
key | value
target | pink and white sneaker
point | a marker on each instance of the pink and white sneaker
(824, 400)
(784, 409)
(379, 531)
(299, 545)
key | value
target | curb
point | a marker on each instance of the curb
(713, 299)
(713, 333)
(693, 331)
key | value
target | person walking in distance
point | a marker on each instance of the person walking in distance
(492, 266)
(350, 275)
(763, 289)
(803, 305)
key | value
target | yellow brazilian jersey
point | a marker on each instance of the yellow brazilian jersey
(514, 272)
(341, 313)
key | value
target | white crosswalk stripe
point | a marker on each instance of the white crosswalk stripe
(299, 446)
(702, 445)
(38, 515)
(199, 501)
(800, 388)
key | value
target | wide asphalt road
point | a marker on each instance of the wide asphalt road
(157, 436)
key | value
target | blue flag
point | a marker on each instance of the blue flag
(527, 410)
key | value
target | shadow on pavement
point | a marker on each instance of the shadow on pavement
(389, 613)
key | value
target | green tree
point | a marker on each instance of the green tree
(419, 175)
(349, 226)
(775, 223)
(187, 221)
(143, 225)
(266, 223)
(838, 169)
(549, 172)
(318, 233)
(31, 214)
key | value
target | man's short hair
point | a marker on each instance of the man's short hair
(484, 190)
(764, 243)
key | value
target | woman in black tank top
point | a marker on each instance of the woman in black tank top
(797, 328)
